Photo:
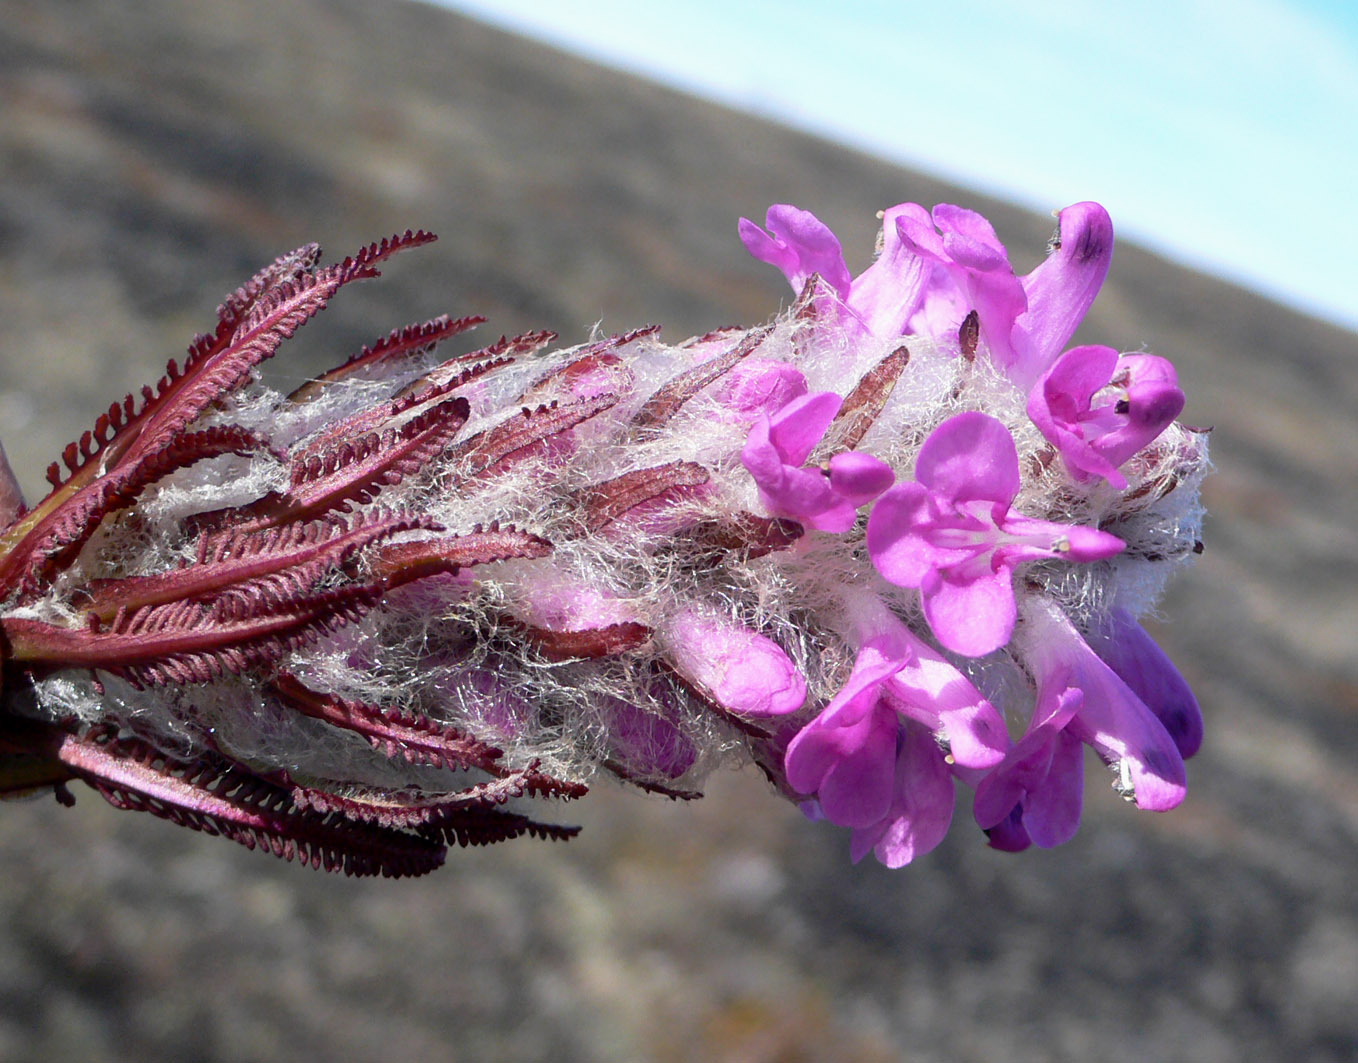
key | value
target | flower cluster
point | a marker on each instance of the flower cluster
(891, 543)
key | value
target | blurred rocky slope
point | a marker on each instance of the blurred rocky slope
(153, 154)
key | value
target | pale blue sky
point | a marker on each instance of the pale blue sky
(1223, 133)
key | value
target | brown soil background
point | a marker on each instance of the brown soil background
(153, 154)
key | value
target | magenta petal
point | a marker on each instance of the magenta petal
(969, 239)
(898, 551)
(879, 658)
(742, 671)
(798, 427)
(813, 751)
(856, 792)
(1043, 538)
(921, 811)
(1154, 399)
(1100, 408)
(1059, 406)
(1147, 670)
(839, 729)
(800, 494)
(1051, 815)
(970, 457)
(914, 227)
(970, 270)
(759, 455)
(799, 244)
(1075, 377)
(858, 478)
(1028, 769)
(1124, 732)
(981, 267)
(887, 293)
(1061, 290)
(927, 688)
(1088, 544)
(1127, 735)
(972, 616)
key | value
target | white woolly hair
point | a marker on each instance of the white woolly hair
(448, 646)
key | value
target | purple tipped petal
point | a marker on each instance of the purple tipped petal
(1051, 814)
(1060, 291)
(1153, 400)
(972, 616)
(1124, 732)
(799, 244)
(1113, 720)
(921, 807)
(1009, 835)
(1039, 774)
(1143, 665)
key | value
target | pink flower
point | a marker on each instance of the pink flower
(493, 576)
(1025, 321)
(935, 268)
(952, 534)
(1099, 408)
(880, 300)
(1042, 777)
(799, 244)
(826, 500)
(1142, 665)
(1080, 699)
(873, 757)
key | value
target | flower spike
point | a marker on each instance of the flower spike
(360, 623)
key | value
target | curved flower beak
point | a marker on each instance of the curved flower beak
(1061, 290)
(799, 244)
